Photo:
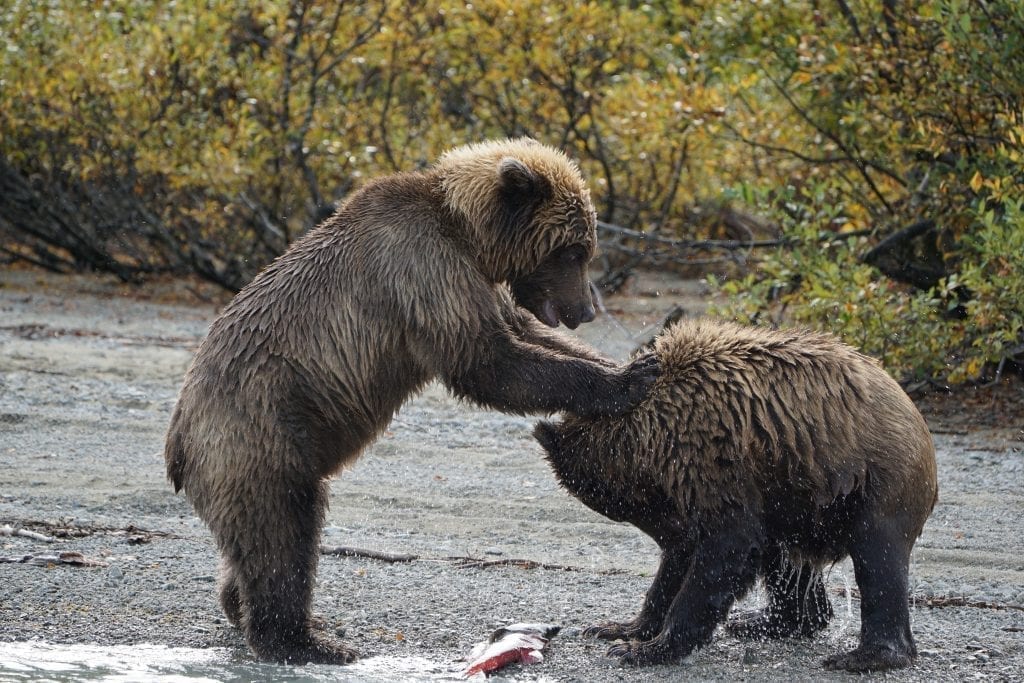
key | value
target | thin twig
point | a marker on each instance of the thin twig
(345, 551)
(604, 226)
(460, 561)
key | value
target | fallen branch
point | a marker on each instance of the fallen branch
(67, 529)
(37, 331)
(920, 600)
(1014, 355)
(8, 530)
(460, 561)
(345, 551)
(69, 557)
(480, 563)
(895, 257)
(955, 601)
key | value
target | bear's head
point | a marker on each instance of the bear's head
(530, 214)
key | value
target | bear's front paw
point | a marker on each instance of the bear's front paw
(660, 650)
(631, 386)
(641, 374)
(616, 630)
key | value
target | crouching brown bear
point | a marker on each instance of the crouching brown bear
(759, 453)
(442, 274)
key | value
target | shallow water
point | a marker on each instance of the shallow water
(43, 662)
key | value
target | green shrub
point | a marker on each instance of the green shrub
(910, 114)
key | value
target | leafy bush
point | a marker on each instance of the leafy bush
(903, 122)
(882, 140)
(144, 137)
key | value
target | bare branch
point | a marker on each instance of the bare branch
(8, 530)
(271, 234)
(690, 244)
(859, 161)
(677, 176)
(851, 19)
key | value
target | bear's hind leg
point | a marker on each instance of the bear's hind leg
(797, 602)
(274, 558)
(881, 557)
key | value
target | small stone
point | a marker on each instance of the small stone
(114, 575)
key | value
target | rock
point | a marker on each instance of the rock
(115, 577)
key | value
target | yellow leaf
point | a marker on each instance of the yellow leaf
(976, 181)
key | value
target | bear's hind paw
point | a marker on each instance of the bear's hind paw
(875, 657)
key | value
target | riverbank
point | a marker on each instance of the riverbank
(89, 372)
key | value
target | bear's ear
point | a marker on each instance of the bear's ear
(516, 178)
(547, 435)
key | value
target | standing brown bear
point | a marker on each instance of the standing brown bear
(416, 276)
(759, 453)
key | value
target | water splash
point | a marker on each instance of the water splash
(849, 596)
(38, 662)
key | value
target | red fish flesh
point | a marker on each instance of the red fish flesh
(509, 645)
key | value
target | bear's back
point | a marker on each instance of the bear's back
(791, 410)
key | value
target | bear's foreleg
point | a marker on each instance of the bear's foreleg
(517, 377)
(667, 582)
(725, 565)
(525, 327)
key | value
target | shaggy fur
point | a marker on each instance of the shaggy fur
(417, 276)
(759, 453)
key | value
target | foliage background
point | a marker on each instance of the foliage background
(858, 162)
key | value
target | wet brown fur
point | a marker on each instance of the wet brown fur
(415, 277)
(767, 454)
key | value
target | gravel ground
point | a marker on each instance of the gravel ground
(88, 376)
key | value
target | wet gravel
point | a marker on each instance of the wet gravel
(88, 378)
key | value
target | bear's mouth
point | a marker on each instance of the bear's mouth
(548, 313)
